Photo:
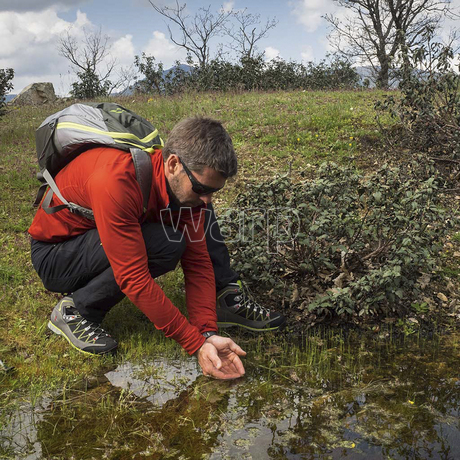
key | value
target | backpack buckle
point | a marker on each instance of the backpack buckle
(81, 211)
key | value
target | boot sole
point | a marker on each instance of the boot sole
(58, 331)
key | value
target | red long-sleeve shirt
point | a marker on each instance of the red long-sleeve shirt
(104, 180)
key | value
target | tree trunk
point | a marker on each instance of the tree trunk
(383, 74)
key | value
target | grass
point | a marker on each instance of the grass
(272, 132)
(332, 385)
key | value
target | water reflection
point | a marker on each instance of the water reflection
(330, 397)
(157, 381)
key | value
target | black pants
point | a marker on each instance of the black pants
(80, 266)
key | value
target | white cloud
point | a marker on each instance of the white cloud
(123, 50)
(228, 6)
(271, 53)
(163, 50)
(310, 12)
(29, 46)
(307, 53)
(450, 24)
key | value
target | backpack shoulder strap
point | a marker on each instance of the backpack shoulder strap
(144, 171)
(72, 207)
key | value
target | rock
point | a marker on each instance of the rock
(35, 94)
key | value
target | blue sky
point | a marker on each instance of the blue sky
(30, 29)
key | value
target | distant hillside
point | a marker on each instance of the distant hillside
(10, 97)
(129, 91)
(366, 72)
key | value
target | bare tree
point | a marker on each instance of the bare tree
(126, 76)
(375, 31)
(194, 32)
(247, 32)
(87, 58)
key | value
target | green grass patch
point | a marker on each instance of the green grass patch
(272, 132)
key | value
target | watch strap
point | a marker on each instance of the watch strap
(208, 334)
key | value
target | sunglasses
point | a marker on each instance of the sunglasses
(198, 187)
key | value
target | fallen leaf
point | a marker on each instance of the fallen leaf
(424, 280)
(338, 282)
(442, 297)
(295, 295)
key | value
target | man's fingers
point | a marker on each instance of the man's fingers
(237, 349)
(219, 359)
(238, 365)
(227, 371)
(226, 374)
(213, 357)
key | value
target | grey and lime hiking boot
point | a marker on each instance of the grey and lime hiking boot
(236, 307)
(82, 334)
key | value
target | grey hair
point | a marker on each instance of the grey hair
(202, 142)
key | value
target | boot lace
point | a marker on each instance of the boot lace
(246, 300)
(85, 330)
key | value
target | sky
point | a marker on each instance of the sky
(30, 31)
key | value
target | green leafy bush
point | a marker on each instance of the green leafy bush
(152, 72)
(428, 108)
(6, 75)
(250, 73)
(339, 243)
(89, 86)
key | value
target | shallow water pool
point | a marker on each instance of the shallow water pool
(322, 396)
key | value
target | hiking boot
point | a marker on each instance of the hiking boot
(236, 307)
(82, 334)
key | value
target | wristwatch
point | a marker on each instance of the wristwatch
(208, 334)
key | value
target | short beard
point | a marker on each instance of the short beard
(172, 196)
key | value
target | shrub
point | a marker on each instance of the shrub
(90, 86)
(251, 73)
(152, 72)
(281, 75)
(6, 75)
(340, 243)
(428, 108)
(179, 80)
(335, 74)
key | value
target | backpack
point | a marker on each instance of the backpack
(80, 127)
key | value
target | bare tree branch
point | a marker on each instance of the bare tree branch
(88, 55)
(90, 59)
(248, 32)
(194, 33)
(375, 31)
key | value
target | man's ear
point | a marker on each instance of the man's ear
(172, 165)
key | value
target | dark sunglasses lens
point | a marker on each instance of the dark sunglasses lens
(200, 190)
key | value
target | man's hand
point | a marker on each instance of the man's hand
(219, 358)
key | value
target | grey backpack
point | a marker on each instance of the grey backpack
(80, 127)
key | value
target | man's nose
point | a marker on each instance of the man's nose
(206, 198)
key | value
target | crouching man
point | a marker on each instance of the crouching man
(120, 253)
